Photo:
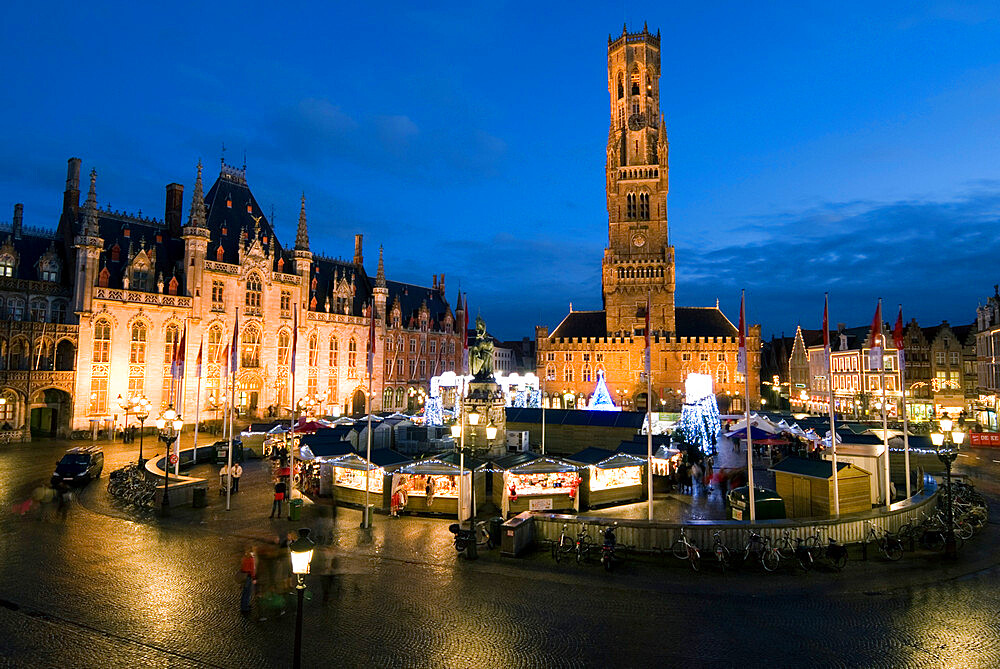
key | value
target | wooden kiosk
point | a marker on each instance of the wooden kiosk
(531, 482)
(806, 486)
(431, 485)
(609, 478)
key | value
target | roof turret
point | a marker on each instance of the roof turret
(302, 235)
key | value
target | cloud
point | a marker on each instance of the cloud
(935, 257)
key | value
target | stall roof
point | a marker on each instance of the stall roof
(604, 459)
(640, 450)
(590, 456)
(632, 420)
(544, 465)
(451, 457)
(386, 457)
(327, 449)
(260, 428)
(331, 435)
(917, 441)
(814, 469)
(432, 466)
(515, 459)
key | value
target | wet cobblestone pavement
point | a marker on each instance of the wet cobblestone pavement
(103, 588)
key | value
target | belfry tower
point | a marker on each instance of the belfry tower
(639, 260)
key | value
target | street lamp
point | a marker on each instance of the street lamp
(142, 413)
(301, 551)
(952, 439)
(169, 426)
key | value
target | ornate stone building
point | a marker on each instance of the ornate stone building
(93, 312)
(638, 265)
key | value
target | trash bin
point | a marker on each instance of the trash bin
(295, 509)
(517, 534)
(199, 498)
(494, 524)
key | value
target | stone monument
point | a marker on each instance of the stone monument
(485, 397)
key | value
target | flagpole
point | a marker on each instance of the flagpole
(366, 519)
(197, 399)
(180, 398)
(833, 428)
(901, 361)
(545, 376)
(746, 407)
(295, 404)
(885, 420)
(649, 413)
(232, 362)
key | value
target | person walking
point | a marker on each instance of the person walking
(279, 495)
(237, 473)
(248, 567)
(224, 481)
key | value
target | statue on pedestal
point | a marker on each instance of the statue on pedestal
(481, 353)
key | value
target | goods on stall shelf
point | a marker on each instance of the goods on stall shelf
(603, 479)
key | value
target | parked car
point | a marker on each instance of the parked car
(222, 451)
(79, 466)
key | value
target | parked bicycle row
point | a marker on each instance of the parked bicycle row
(130, 486)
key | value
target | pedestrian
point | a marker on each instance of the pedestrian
(709, 471)
(224, 479)
(325, 566)
(696, 477)
(64, 495)
(237, 473)
(736, 444)
(279, 495)
(248, 567)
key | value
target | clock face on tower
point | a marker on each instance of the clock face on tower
(638, 240)
(636, 121)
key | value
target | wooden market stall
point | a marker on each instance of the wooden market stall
(609, 478)
(348, 474)
(532, 482)
(431, 485)
(806, 486)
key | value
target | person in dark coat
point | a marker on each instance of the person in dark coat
(280, 488)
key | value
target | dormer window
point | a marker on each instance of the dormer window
(49, 274)
(219, 252)
(172, 287)
(103, 278)
(126, 232)
(229, 203)
(140, 276)
(281, 264)
(249, 209)
(116, 252)
(6, 265)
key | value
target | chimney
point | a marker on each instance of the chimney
(71, 202)
(172, 213)
(441, 284)
(18, 220)
(434, 281)
(841, 327)
(358, 259)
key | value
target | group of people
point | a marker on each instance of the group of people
(230, 475)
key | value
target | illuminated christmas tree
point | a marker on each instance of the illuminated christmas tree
(601, 400)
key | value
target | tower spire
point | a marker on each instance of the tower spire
(302, 236)
(90, 206)
(196, 218)
(380, 274)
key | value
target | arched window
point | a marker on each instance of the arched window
(215, 343)
(254, 291)
(621, 85)
(7, 409)
(137, 352)
(42, 357)
(102, 341)
(567, 373)
(400, 397)
(550, 373)
(250, 347)
(59, 311)
(284, 347)
(387, 398)
(722, 374)
(585, 373)
(644, 206)
(352, 355)
(173, 336)
(313, 350)
(635, 82)
(630, 210)
(39, 310)
(19, 353)
(15, 308)
(333, 352)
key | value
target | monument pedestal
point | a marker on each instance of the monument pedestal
(485, 398)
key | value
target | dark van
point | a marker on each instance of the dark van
(79, 466)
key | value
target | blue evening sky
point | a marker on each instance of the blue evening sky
(852, 147)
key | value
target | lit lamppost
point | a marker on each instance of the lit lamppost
(169, 425)
(126, 404)
(301, 551)
(952, 439)
(142, 413)
(215, 405)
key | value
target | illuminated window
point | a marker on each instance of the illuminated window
(102, 341)
(352, 356)
(218, 294)
(313, 350)
(333, 352)
(254, 291)
(567, 373)
(173, 336)
(137, 352)
(250, 347)
(284, 347)
(215, 343)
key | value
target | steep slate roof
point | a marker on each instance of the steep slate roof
(132, 235)
(412, 297)
(703, 322)
(231, 185)
(579, 324)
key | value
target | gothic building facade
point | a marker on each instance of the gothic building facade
(638, 268)
(93, 312)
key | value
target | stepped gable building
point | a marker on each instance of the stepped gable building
(639, 263)
(93, 312)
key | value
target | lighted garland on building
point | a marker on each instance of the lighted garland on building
(699, 423)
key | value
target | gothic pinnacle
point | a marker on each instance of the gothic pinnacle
(302, 235)
(196, 218)
(90, 207)
(380, 274)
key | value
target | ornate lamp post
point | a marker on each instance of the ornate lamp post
(169, 425)
(142, 413)
(301, 551)
(126, 404)
(951, 439)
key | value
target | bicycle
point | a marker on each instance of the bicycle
(888, 544)
(583, 544)
(685, 550)
(721, 553)
(563, 546)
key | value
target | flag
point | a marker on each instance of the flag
(235, 346)
(648, 355)
(465, 337)
(371, 340)
(875, 339)
(180, 353)
(295, 334)
(198, 359)
(225, 356)
(741, 355)
(897, 337)
(826, 332)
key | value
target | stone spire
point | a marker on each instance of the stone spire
(302, 236)
(196, 218)
(90, 207)
(662, 143)
(380, 275)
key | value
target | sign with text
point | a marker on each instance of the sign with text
(984, 439)
(544, 504)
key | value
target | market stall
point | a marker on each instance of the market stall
(609, 478)
(431, 485)
(349, 471)
(532, 482)
(315, 465)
